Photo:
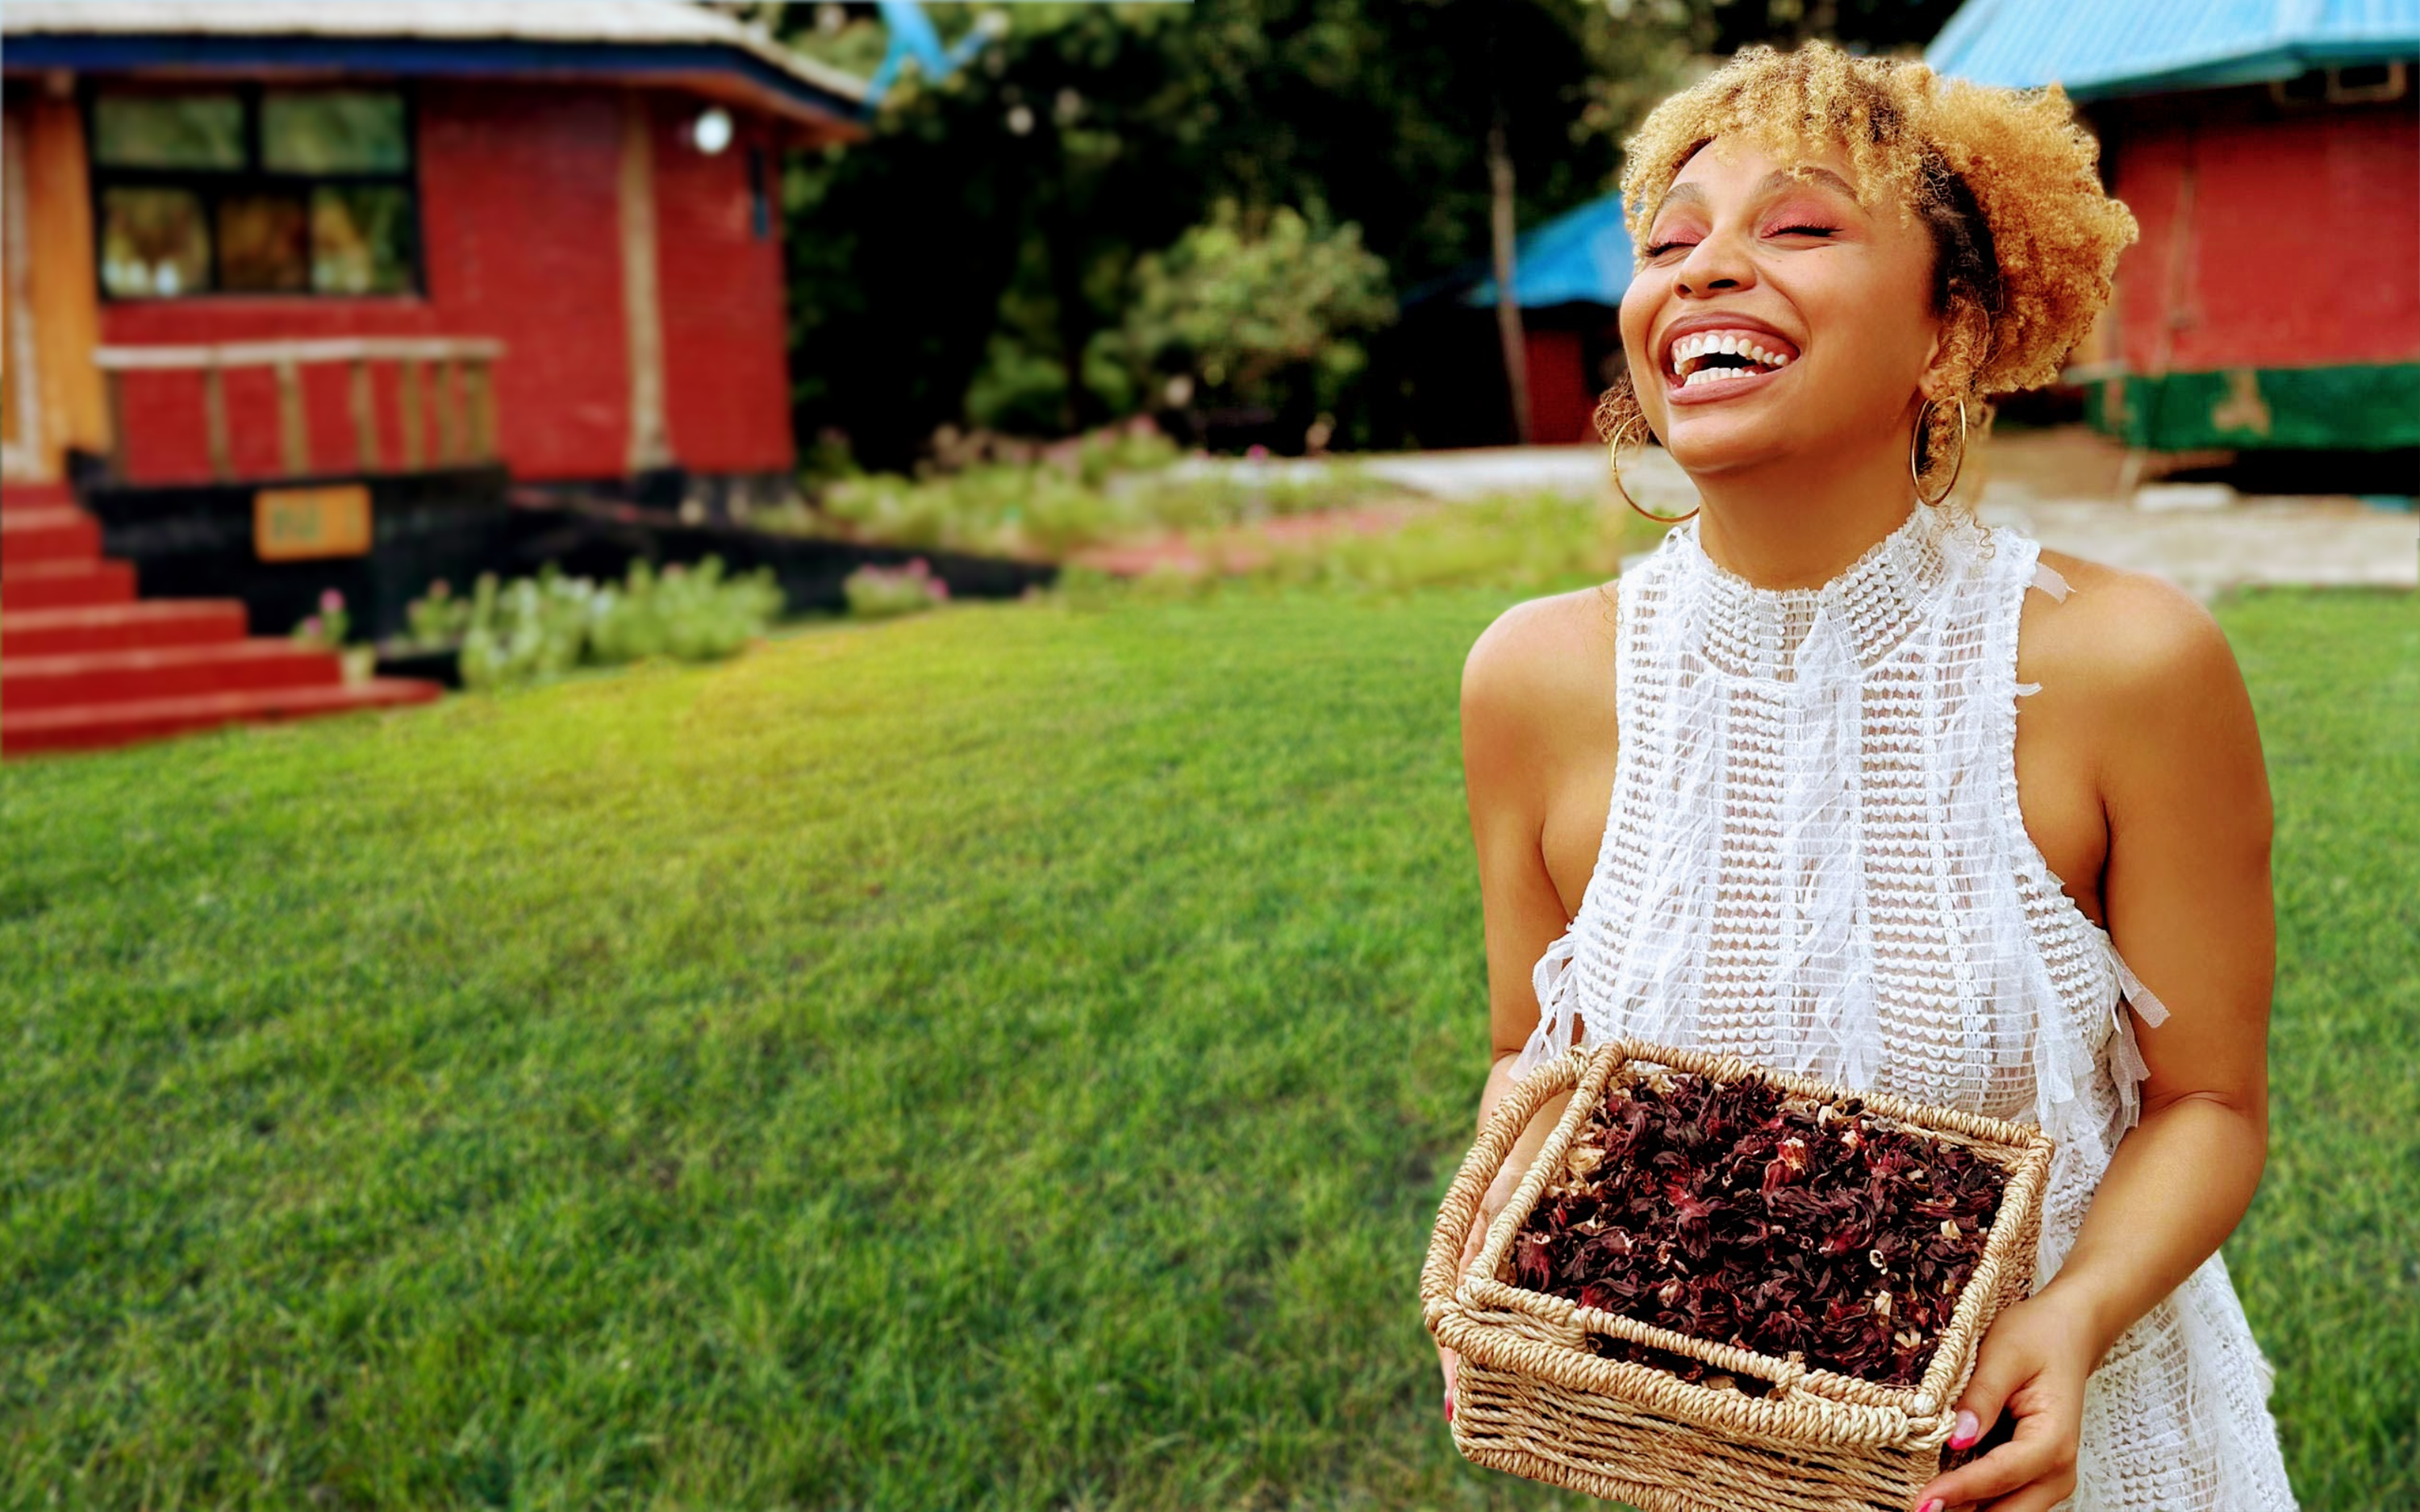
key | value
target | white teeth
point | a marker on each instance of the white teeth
(1716, 374)
(1689, 348)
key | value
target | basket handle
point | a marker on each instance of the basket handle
(1504, 1129)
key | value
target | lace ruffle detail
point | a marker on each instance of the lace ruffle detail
(2126, 1067)
(1559, 1014)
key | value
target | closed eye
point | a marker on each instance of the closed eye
(1660, 248)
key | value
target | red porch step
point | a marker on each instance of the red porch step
(28, 683)
(160, 622)
(28, 535)
(38, 585)
(16, 496)
(84, 665)
(92, 727)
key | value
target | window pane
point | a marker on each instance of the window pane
(264, 243)
(168, 131)
(333, 132)
(360, 239)
(153, 242)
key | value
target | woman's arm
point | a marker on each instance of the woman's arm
(2187, 894)
(1536, 693)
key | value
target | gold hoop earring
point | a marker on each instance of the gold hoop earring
(1923, 418)
(1613, 456)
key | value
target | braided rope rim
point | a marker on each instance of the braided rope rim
(1513, 1329)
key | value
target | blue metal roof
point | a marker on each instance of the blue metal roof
(2099, 48)
(1581, 256)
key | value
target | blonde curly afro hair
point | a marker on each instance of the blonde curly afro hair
(2025, 237)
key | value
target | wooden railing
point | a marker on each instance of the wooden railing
(463, 404)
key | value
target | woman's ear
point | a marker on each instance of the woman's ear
(1957, 350)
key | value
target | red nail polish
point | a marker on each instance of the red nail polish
(1968, 1429)
(1933, 1506)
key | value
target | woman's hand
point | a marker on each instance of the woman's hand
(1491, 1202)
(2032, 1365)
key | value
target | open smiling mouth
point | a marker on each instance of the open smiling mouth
(1711, 365)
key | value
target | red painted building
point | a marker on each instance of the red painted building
(394, 250)
(588, 185)
(2275, 298)
(2270, 150)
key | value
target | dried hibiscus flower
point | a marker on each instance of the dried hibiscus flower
(1743, 1215)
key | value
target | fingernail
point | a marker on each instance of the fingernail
(1933, 1506)
(1969, 1428)
(1449, 1406)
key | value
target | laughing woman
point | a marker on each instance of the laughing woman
(1840, 782)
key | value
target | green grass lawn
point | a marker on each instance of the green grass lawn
(1007, 1058)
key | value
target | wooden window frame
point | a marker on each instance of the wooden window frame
(2319, 87)
(211, 185)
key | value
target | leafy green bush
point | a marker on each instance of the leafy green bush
(328, 628)
(1044, 511)
(690, 614)
(529, 629)
(543, 626)
(1105, 454)
(437, 619)
(879, 592)
(1255, 303)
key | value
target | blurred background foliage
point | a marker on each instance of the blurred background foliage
(1032, 243)
(1264, 306)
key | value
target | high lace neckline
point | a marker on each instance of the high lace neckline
(1865, 611)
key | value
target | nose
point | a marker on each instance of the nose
(1718, 263)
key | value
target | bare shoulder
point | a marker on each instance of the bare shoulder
(1540, 653)
(1538, 684)
(2129, 641)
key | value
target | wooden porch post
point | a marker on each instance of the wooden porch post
(214, 421)
(642, 304)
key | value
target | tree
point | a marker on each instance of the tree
(974, 260)
(1263, 307)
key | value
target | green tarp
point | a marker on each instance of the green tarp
(2350, 409)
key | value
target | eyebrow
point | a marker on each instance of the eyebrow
(1778, 178)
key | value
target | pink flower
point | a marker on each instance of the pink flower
(332, 602)
(939, 589)
(1256, 452)
(918, 567)
(311, 627)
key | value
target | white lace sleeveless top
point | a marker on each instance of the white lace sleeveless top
(1815, 861)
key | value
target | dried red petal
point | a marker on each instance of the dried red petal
(1741, 1216)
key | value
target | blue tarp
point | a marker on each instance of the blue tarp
(2099, 48)
(1579, 257)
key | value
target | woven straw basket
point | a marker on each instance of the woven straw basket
(1533, 1399)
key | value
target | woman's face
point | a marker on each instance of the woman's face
(1825, 303)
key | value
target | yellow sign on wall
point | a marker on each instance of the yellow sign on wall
(298, 524)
